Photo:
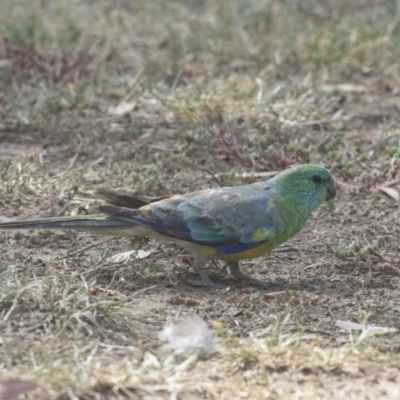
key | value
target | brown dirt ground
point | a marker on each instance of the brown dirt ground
(209, 90)
(328, 289)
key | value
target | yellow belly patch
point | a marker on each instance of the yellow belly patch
(244, 255)
(212, 252)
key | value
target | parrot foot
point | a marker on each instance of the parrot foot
(199, 263)
(233, 269)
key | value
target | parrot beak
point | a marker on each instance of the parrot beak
(331, 193)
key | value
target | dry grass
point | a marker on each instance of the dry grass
(159, 97)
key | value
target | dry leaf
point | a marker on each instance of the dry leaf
(387, 189)
(393, 193)
(126, 255)
(122, 109)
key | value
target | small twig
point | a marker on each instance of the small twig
(212, 175)
(248, 175)
(115, 346)
(176, 80)
(112, 279)
(380, 256)
(84, 249)
(73, 162)
(62, 211)
(274, 294)
(36, 326)
(144, 290)
(387, 260)
(132, 92)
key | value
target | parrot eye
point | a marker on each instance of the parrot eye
(316, 179)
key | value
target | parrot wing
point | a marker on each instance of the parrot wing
(232, 220)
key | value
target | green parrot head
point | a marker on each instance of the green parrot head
(306, 185)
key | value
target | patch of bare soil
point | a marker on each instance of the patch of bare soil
(318, 287)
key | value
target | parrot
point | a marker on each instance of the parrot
(228, 224)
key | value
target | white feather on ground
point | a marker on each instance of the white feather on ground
(187, 335)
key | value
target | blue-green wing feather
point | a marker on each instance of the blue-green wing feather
(224, 218)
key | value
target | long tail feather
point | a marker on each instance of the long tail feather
(97, 224)
(84, 223)
(122, 199)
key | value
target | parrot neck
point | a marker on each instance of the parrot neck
(294, 210)
(302, 198)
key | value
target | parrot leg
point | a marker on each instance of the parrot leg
(199, 263)
(233, 269)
